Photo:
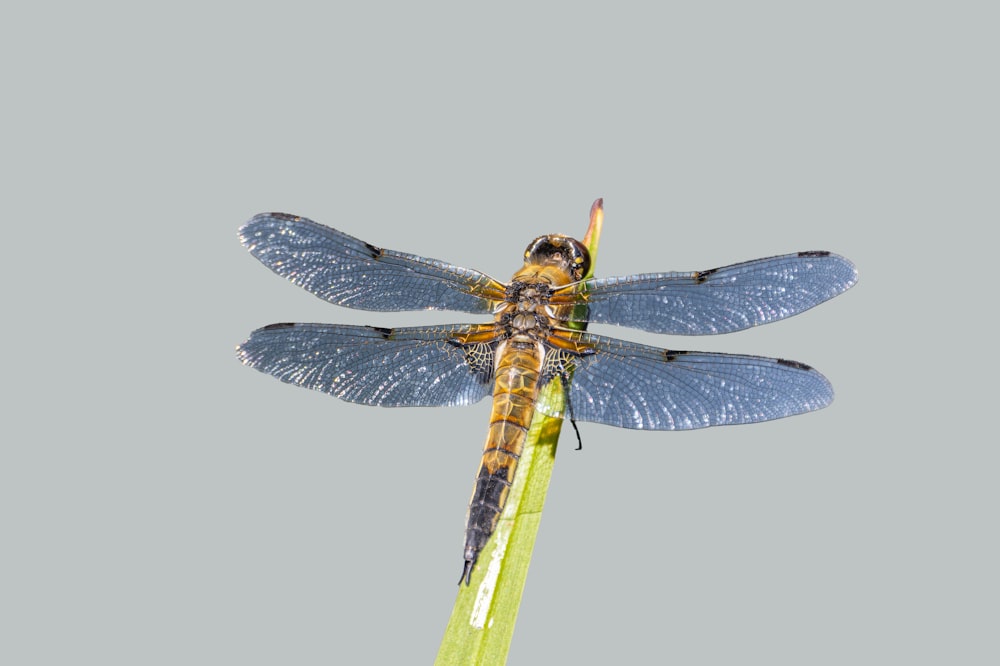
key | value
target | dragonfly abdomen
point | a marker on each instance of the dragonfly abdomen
(514, 390)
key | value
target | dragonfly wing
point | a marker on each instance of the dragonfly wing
(720, 300)
(402, 367)
(346, 271)
(629, 385)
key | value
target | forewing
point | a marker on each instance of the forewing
(720, 300)
(636, 386)
(402, 367)
(344, 270)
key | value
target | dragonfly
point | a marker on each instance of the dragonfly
(537, 337)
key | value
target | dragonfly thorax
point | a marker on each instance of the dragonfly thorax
(525, 312)
(524, 321)
(528, 295)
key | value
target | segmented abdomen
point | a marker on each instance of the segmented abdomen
(514, 390)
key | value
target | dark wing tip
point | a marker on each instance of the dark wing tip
(814, 391)
(244, 350)
(844, 268)
(793, 364)
(261, 221)
(285, 217)
(822, 389)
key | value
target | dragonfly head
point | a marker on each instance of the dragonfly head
(565, 253)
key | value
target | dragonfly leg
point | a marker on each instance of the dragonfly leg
(564, 379)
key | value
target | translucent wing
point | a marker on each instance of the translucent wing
(401, 367)
(344, 270)
(720, 300)
(636, 386)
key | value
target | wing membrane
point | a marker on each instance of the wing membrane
(629, 385)
(346, 271)
(720, 300)
(402, 367)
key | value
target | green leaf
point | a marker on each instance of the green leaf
(482, 621)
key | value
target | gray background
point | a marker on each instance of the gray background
(162, 504)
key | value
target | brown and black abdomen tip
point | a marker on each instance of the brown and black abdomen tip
(488, 499)
(475, 541)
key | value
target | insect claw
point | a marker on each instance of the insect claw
(579, 440)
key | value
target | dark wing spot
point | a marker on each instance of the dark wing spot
(376, 252)
(671, 355)
(285, 216)
(273, 327)
(793, 364)
(384, 332)
(702, 276)
(814, 253)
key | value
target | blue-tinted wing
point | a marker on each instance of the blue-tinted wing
(400, 367)
(720, 300)
(636, 386)
(344, 270)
